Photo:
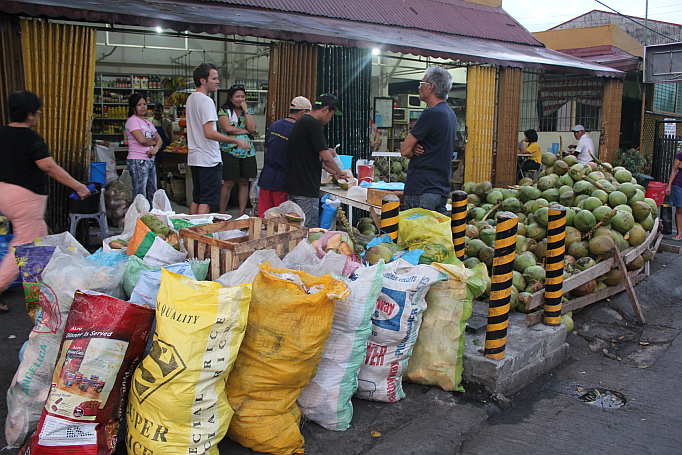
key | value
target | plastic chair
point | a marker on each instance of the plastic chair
(101, 217)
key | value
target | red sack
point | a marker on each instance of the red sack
(103, 342)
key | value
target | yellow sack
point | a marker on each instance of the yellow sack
(437, 355)
(177, 402)
(428, 231)
(289, 322)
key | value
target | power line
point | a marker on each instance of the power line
(642, 25)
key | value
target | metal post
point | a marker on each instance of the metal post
(554, 266)
(458, 221)
(390, 208)
(500, 295)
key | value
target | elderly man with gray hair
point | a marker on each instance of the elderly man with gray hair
(430, 144)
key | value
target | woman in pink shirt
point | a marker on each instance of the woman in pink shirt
(143, 144)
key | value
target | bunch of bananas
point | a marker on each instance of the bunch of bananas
(173, 83)
(178, 98)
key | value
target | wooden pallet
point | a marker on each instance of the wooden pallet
(225, 255)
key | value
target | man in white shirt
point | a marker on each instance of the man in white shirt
(585, 145)
(203, 139)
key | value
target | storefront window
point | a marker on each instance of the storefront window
(665, 97)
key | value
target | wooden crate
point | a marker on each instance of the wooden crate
(375, 196)
(225, 255)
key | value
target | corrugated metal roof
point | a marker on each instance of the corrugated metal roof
(606, 55)
(213, 17)
(455, 17)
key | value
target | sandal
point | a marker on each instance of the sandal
(5, 309)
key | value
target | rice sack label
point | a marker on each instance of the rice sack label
(395, 325)
(103, 342)
(177, 402)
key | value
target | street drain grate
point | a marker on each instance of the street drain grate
(593, 396)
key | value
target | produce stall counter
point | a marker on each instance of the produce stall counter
(357, 202)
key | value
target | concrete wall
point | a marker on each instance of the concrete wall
(577, 38)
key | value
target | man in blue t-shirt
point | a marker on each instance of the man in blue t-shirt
(271, 180)
(430, 144)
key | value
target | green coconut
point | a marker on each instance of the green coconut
(511, 204)
(637, 235)
(601, 245)
(566, 180)
(470, 263)
(486, 256)
(521, 244)
(522, 307)
(572, 235)
(473, 199)
(541, 249)
(591, 203)
(602, 212)
(628, 189)
(584, 263)
(623, 176)
(648, 223)
(477, 213)
(524, 260)
(483, 189)
(596, 175)
(578, 249)
(488, 236)
(603, 230)
(486, 206)
(652, 204)
(525, 181)
(548, 159)
(495, 197)
(514, 298)
(577, 171)
(528, 193)
(517, 281)
(536, 232)
(521, 228)
(560, 167)
(469, 187)
(579, 198)
(613, 277)
(567, 320)
(570, 216)
(534, 273)
(545, 183)
(639, 196)
(584, 220)
(567, 199)
(480, 225)
(617, 198)
(530, 244)
(640, 210)
(569, 261)
(564, 189)
(636, 264)
(600, 286)
(624, 208)
(510, 192)
(471, 231)
(541, 216)
(551, 195)
(540, 202)
(474, 247)
(623, 221)
(620, 240)
(601, 195)
(583, 187)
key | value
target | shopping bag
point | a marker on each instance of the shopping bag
(179, 388)
(289, 321)
(151, 248)
(666, 219)
(426, 230)
(437, 355)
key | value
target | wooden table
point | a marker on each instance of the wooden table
(357, 202)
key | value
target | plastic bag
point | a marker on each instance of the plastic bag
(395, 325)
(107, 155)
(33, 257)
(117, 199)
(250, 268)
(285, 207)
(426, 230)
(437, 355)
(327, 399)
(282, 347)
(151, 248)
(136, 265)
(304, 257)
(179, 388)
(66, 272)
(102, 344)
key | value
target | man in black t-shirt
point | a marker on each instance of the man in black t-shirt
(307, 146)
(430, 144)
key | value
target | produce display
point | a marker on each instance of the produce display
(605, 207)
(390, 169)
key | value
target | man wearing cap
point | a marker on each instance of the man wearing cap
(585, 145)
(271, 180)
(430, 144)
(306, 154)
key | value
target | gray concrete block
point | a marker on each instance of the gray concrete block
(530, 352)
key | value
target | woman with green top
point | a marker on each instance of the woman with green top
(235, 118)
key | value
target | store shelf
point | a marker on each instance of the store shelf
(109, 118)
(115, 104)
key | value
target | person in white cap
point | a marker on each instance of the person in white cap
(585, 145)
(271, 179)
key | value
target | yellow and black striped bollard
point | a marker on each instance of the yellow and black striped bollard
(500, 294)
(554, 265)
(390, 208)
(458, 220)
